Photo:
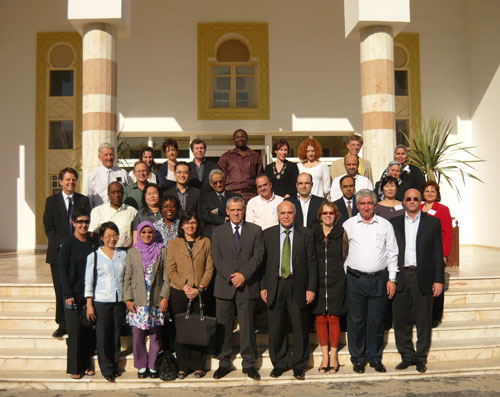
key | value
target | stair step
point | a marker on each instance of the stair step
(33, 289)
(472, 312)
(27, 303)
(471, 296)
(467, 282)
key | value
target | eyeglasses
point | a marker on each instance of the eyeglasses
(409, 199)
(194, 223)
(217, 182)
(82, 221)
(328, 213)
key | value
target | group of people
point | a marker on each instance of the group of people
(138, 247)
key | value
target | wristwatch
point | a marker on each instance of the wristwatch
(393, 280)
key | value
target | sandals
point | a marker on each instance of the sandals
(76, 376)
(199, 374)
(323, 370)
(89, 372)
(181, 375)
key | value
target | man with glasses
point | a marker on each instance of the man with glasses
(189, 197)
(371, 267)
(147, 155)
(420, 279)
(133, 191)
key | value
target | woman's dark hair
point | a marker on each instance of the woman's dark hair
(187, 217)
(388, 179)
(278, 144)
(77, 212)
(146, 189)
(108, 225)
(171, 198)
(435, 186)
(150, 150)
(170, 142)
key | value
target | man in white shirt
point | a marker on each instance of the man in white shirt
(371, 267)
(263, 209)
(351, 164)
(99, 178)
(306, 203)
(115, 211)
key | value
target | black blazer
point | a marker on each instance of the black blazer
(312, 212)
(340, 203)
(55, 222)
(192, 199)
(210, 201)
(430, 264)
(304, 264)
(204, 185)
(246, 261)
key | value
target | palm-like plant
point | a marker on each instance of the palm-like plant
(430, 152)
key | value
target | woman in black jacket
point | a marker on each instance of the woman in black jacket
(330, 301)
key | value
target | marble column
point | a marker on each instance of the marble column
(99, 93)
(377, 96)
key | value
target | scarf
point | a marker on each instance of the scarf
(151, 251)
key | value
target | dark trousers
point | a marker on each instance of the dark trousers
(411, 307)
(110, 317)
(81, 341)
(245, 309)
(60, 318)
(367, 299)
(189, 357)
(285, 307)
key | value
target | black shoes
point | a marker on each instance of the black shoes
(154, 375)
(59, 332)
(359, 368)
(143, 375)
(298, 374)
(421, 367)
(252, 373)
(221, 372)
(404, 364)
(277, 372)
(378, 366)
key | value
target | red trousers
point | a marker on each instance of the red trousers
(325, 323)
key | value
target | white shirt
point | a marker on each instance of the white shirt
(282, 241)
(98, 181)
(304, 205)
(123, 217)
(66, 201)
(321, 178)
(372, 246)
(361, 182)
(411, 228)
(263, 212)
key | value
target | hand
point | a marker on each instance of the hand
(131, 306)
(214, 211)
(164, 305)
(91, 312)
(391, 289)
(286, 196)
(310, 297)
(238, 279)
(70, 302)
(437, 289)
(263, 295)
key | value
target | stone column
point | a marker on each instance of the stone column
(377, 96)
(99, 93)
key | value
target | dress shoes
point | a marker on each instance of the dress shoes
(154, 375)
(59, 332)
(378, 366)
(252, 373)
(359, 368)
(277, 372)
(404, 364)
(298, 374)
(221, 372)
(143, 375)
(421, 367)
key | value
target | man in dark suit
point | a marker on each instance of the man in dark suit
(200, 167)
(58, 225)
(213, 204)
(345, 204)
(289, 285)
(237, 253)
(306, 204)
(420, 279)
(189, 197)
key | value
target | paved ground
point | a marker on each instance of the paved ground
(479, 386)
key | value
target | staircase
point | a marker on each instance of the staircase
(466, 343)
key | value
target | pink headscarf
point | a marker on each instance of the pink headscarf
(151, 251)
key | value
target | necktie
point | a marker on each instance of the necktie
(221, 197)
(349, 208)
(285, 256)
(237, 237)
(70, 214)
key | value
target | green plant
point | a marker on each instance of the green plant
(430, 152)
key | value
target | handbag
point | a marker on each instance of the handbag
(194, 329)
(84, 321)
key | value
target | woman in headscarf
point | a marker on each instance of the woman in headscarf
(393, 169)
(146, 292)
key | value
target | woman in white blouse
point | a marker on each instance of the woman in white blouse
(309, 153)
(104, 293)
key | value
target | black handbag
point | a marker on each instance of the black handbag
(84, 321)
(194, 329)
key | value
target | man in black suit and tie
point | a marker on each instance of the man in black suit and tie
(58, 225)
(420, 279)
(189, 197)
(289, 285)
(213, 204)
(306, 204)
(200, 167)
(237, 253)
(345, 204)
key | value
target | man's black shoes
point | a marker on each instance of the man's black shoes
(277, 372)
(252, 373)
(404, 364)
(359, 368)
(421, 367)
(378, 366)
(221, 372)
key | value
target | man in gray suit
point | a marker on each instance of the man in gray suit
(237, 252)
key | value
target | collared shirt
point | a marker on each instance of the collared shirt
(123, 217)
(282, 241)
(372, 246)
(98, 181)
(361, 182)
(411, 228)
(304, 205)
(200, 170)
(110, 274)
(263, 212)
(132, 195)
(182, 196)
(66, 201)
(145, 214)
(233, 227)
